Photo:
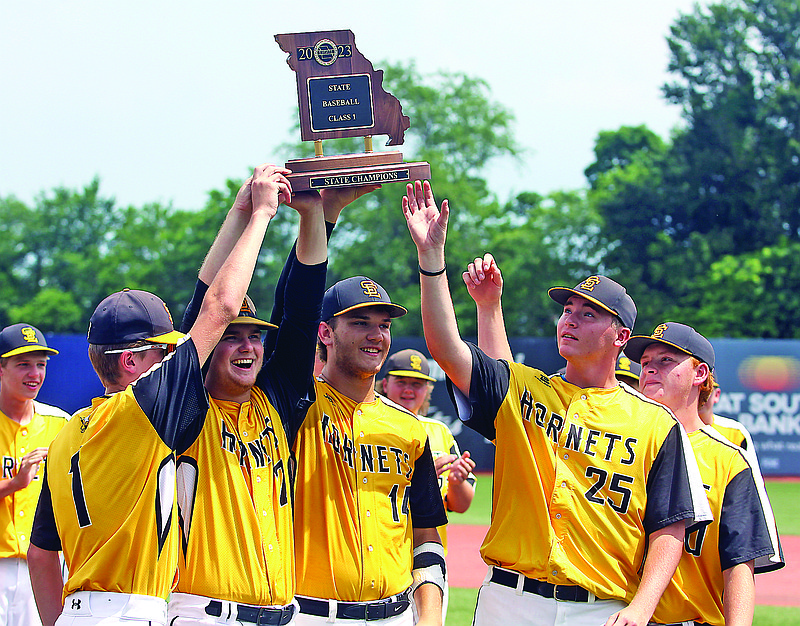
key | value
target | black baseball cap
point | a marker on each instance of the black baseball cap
(131, 315)
(680, 336)
(628, 368)
(409, 363)
(605, 293)
(247, 315)
(21, 338)
(355, 293)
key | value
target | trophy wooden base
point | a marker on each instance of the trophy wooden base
(350, 170)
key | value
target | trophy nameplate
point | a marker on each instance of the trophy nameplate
(340, 95)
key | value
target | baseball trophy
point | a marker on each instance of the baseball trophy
(341, 95)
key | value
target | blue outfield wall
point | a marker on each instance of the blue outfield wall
(760, 381)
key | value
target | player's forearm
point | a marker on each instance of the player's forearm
(9, 486)
(225, 294)
(739, 596)
(663, 555)
(45, 571)
(440, 327)
(428, 601)
(312, 239)
(459, 496)
(229, 233)
(492, 336)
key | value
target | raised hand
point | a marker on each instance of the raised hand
(28, 467)
(484, 281)
(304, 202)
(426, 223)
(461, 468)
(270, 187)
(244, 198)
(336, 198)
(443, 463)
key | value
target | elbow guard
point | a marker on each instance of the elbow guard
(429, 566)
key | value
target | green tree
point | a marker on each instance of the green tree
(727, 184)
(749, 295)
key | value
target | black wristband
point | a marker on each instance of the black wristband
(427, 273)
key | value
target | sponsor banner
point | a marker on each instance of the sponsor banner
(760, 383)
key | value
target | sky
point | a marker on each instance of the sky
(165, 100)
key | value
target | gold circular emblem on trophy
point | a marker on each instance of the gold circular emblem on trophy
(325, 52)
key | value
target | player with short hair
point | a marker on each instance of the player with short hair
(714, 581)
(408, 382)
(593, 484)
(367, 494)
(26, 429)
(109, 493)
(235, 481)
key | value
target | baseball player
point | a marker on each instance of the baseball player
(736, 433)
(627, 371)
(491, 327)
(108, 497)
(593, 484)
(235, 481)
(714, 581)
(367, 494)
(732, 430)
(408, 383)
(26, 429)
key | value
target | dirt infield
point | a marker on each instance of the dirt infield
(467, 569)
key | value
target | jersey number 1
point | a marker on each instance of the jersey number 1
(77, 492)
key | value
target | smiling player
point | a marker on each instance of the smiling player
(26, 429)
(592, 484)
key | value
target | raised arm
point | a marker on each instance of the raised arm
(311, 247)
(269, 187)
(232, 228)
(485, 284)
(428, 228)
(333, 201)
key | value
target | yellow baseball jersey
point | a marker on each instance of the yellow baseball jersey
(442, 442)
(234, 492)
(235, 483)
(733, 431)
(109, 494)
(17, 509)
(581, 477)
(365, 479)
(738, 534)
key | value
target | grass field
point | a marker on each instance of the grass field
(785, 499)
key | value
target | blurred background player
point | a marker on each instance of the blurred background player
(735, 432)
(714, 581)
(26, 429)
(593, 485)
(408, 383)
(627, 371)
(109, 491)
(367, 503)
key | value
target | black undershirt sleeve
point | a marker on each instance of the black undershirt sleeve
(45, 534)
(427, 508)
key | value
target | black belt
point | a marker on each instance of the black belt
(268, 616)
(380, 609)
(570, 593)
